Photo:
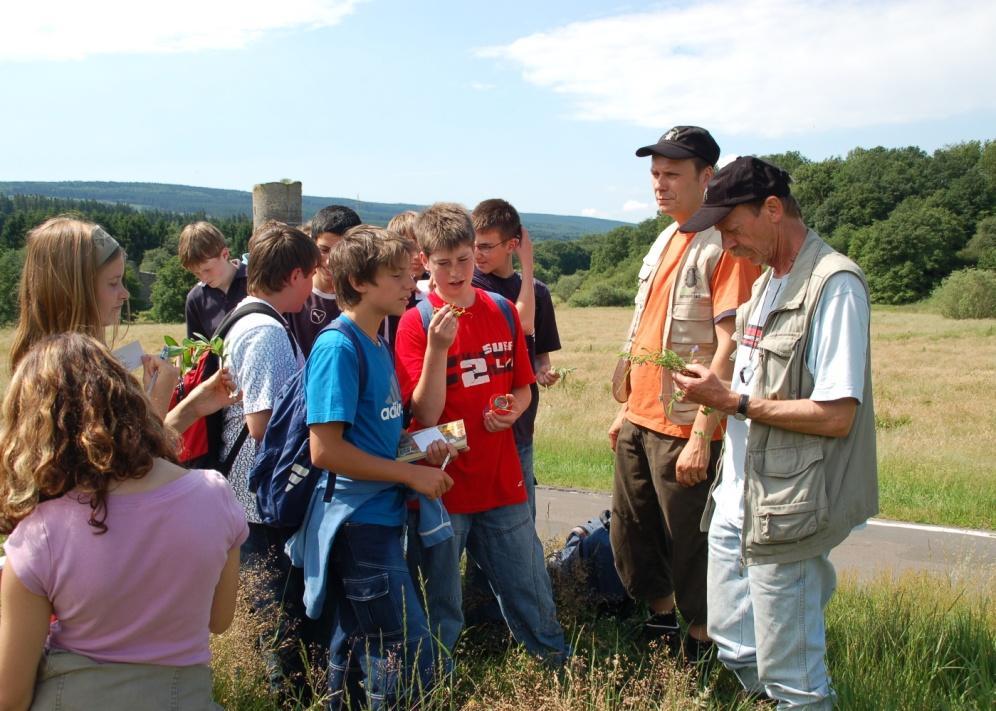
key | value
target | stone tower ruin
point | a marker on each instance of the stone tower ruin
(276, 201)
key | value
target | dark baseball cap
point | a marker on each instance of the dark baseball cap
(744, 180)
(683, 142)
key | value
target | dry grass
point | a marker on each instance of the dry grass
(935, 385)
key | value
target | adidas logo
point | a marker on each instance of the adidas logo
(390, 413)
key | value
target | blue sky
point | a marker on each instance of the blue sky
(542, 103)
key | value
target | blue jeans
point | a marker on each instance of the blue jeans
(767, 621)
(504, 544)
(480, 604)
(381, 654)
(528, 474)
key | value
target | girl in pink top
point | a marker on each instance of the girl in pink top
(137, 557)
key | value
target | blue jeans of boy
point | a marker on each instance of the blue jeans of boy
(504, 544)
(480, 604)
(528, 474)
(767, 621)
(381, 654)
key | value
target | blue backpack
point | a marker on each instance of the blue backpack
(587, 558)
(425, 309)
(282, 476)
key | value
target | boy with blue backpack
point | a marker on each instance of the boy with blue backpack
(262, 355)
(381, 653)
(468, 361)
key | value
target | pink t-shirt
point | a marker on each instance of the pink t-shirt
(142, 591)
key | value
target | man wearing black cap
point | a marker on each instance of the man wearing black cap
(799, 468)
(666, 451)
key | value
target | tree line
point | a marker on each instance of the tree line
(908, 218)
(149, 237)
(911, 220)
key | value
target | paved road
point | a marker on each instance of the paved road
(882, 547)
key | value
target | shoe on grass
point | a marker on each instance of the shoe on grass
(663, 627)
(698, 651)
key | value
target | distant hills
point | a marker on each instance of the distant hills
(216, 202)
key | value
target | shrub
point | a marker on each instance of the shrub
(169, 292)
(969, 293)
(602, 294)
(566, 286)
(981, 249)
(11, 264)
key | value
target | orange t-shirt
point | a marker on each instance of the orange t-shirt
(730, 285)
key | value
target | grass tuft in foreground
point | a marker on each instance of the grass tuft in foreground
(917, 642)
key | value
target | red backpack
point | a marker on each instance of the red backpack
(201, 443)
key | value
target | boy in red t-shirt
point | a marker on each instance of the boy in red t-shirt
(453, 370)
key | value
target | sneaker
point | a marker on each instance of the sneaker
(664, 627)
(698, 651)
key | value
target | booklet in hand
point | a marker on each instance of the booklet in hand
(413, 444)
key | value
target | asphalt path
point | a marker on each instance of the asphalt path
(881, 548)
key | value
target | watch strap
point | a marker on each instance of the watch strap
(742, 406)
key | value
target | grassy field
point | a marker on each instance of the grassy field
(935, 389)
(909, 643)
(935, 385)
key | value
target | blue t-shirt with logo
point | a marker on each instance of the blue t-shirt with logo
(373, 418)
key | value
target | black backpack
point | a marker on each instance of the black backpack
(586, 561)
(201, 443)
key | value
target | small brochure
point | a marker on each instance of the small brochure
(130, 355)
(413, 444)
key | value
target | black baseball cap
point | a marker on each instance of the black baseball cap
(744, 180)
(684, 142)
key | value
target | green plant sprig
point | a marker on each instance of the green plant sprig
(562, 375)
(664, 358)
(190, 350)
(667, 359)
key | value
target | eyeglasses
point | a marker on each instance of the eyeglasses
(485, 248)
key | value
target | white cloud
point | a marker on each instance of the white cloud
(591, 212)
(73, 29)
(770, 67)
(481, 86)
(635, 206)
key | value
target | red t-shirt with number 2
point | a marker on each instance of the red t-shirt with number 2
(484, 360)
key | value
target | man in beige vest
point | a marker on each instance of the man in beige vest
(666, 451)
(799, 468)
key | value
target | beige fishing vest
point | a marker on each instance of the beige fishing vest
(803, 493)
(688, 330)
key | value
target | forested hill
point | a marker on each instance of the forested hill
(216, 203)
(908, 218)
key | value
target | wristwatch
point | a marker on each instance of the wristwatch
(741, 413)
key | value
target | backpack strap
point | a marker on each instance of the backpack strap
(425, 309)
(506, 307)
(361, 366)
(254, 307)
(350, 334)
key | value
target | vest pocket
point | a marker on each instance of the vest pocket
(371, 601)
(788, 486)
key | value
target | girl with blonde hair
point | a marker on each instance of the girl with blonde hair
(137, 557)
(73, 280)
